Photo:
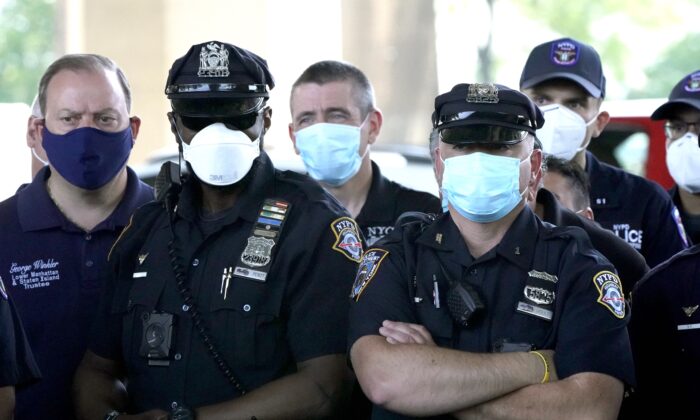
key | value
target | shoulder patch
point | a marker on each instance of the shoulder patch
(347, 238)
(368, 268)
(610, 292)
(3, 291)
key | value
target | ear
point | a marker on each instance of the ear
(135, 123)
(293, 137)
(173, 123)
(535, 169)
(375, 125)
(34, 126)
(267, 118)
(438, 167)
(587, 213)
(601, 122)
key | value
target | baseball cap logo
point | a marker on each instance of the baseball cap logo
(693, 83)
(213, 61)
(564, 53)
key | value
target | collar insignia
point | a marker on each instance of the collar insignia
(142, 258)
(690, 310)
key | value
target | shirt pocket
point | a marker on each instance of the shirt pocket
(249, 323)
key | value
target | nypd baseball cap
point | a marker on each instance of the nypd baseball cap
(565, 58)
(686, 92)
(217, 78)
(485, 113)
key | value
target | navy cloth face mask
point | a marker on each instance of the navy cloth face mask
(87, 157)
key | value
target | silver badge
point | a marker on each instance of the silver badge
(690, 310)
(486, 93)
(539, 295)
(543, 276)
(257, 252)
(213, 61)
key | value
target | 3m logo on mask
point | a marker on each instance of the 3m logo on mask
(631, 236)
(216, 178)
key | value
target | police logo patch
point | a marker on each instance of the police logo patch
(564, 53)
(213, 61)
(539, 295)
(3, 291)
(610, 292)
(257, 252)
(368, 268)
(693, 83)
(347, 238)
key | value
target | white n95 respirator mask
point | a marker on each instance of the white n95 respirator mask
(220, 156)
(683, 162)
(563, 131)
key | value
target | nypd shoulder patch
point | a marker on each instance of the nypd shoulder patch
(368, 268)
(610, 292)
(3, 291)
(347, 238)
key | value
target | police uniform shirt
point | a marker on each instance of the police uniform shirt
(665, 336)
(17, 365)
(637, 210)
(543, 287)
(691, 222)
(54, 272)
(386, 201)
(261, 328)
(630, 264)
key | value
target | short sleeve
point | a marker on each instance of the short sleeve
(665, 235)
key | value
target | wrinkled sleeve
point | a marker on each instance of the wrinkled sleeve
(17, 365)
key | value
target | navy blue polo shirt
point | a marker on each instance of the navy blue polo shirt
(54, 272)
(543, 287)
(263, 326)
(17, 365)
(665, 336)
(386, 201)
(637, 210)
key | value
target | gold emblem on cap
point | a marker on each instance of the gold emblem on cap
(213, 61)
(482, 93)
(690, 310)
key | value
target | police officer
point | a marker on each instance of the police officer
(17, 365)
(56, 232)
(462, 315)
(334, 122)
(629, 263)
(229, 297)
(682, 115)
(565, 78)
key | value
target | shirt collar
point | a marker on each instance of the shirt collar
(377, 207)
(517, 245)
(37, 210)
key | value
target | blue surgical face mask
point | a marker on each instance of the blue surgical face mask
(87, 157)
(331, 152)
(482, 187)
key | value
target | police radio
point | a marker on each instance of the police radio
(463, 302)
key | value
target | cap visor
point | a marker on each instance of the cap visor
(667, 110)
(588, 86)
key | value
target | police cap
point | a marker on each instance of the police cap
(686, 92)
(218, 79)
(485, 113)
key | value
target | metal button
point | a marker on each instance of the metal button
(473, 272)
(88, 237)
(195, 262)
(178, 356)
(185, 308)
(246, 307)
(173, 404)
(88, 263)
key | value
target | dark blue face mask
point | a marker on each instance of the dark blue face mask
(87, 157)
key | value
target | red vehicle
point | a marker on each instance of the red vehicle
(633, 141)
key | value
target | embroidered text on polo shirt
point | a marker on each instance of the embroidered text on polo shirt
(39, 273)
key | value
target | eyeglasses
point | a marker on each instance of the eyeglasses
(676, 128)
(241, 122)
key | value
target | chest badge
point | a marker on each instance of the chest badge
(539, 295)
(258, 251)
(690, 310)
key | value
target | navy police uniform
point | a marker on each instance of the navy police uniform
(54, 272)
(261, 328)
(386, 201)
(637, 210)
(17, 365)
(630, 264)
(665, 336)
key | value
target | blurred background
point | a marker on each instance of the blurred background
(411, 50)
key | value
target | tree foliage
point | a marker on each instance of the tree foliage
(26, 47)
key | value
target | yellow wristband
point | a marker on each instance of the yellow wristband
(545, 379)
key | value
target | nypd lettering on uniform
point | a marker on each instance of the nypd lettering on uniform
(631, 236)
(368, 268)
(347, 238)
(610, 292)
(375, 233)
(37, 274)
